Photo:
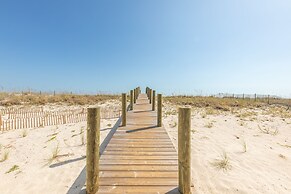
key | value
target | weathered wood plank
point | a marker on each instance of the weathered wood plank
(154, 162)
(116, 181)
(134, 149)
(139, 189)
(106, 157)
(139, 153)
(140, 158)
(132, 167)
(138, 174)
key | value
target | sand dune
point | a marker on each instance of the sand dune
(31, 156)
(258, 162)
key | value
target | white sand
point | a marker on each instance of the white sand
(32, 153)
(265, 167)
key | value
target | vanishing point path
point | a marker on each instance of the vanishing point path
(140, 157)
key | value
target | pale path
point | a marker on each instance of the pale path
(140, 158)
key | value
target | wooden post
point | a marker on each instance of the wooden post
(154, 100)
(150, 95)
(93, 139)
(131, 99)
(184, 150)
(134, 99)
(123, 109)
(159, 110)
(255, 97)
(268, 99)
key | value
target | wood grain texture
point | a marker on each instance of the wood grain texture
(140, 158)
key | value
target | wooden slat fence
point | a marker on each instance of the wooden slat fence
(13, 118)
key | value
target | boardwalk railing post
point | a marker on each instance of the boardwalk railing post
(184, 150)
(150, 95)
(134, 96)
(159, 110)
(137, 91)
(93, 139)
(123, 109)
(131, 99)
(154, 100)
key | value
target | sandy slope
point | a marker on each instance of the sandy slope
(36, 173)
(265, 167)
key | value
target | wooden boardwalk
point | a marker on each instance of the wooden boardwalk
(140, 158)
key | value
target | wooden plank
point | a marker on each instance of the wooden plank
(139, 189)
(122, 157)
(165, 145)
(154, 162)
(139, 153)
(138, 174)
(116, 181)
(132, 167)
(151, 141)
(140, 158)
(134, 149)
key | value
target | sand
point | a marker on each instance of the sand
(35, 172)
(263, 165)
(256, 142)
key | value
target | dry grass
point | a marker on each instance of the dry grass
(52, 138)
(285, 145)
(173, 125)
(268, 131)
(282, 156)
(83, 139)
(13, 168)
(55, 154)
(82, 136)
(209, 125)
(9, 99)
(222, 163)
(5, 156)
(244, 144)
(247, 114)
(24, 133)
(212, 103)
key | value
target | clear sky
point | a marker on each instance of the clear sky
(186, 47)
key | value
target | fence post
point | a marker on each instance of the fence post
(123, 109)
(255, 97)
(131, 99)
(268, 99)
(159, 110)
(184, 149)
(154, 100)
(136, 93)
(134, 96)
(93, 139)
(150, 95)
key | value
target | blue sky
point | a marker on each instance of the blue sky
(185, 47)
